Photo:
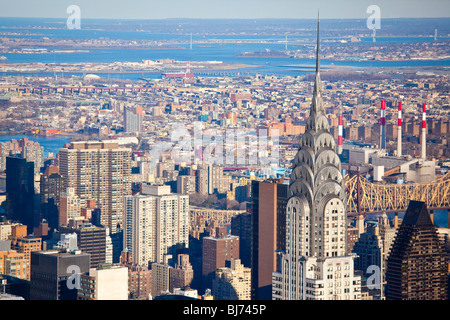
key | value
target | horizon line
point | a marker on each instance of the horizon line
(181, 18)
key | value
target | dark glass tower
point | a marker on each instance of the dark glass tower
(51, 187)
(20, 191)
(417, 265)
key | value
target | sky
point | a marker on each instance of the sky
(226, 9)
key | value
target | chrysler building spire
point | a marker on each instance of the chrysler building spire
(317, 105)
(316, 215)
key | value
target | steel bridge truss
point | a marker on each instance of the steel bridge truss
(364, 197)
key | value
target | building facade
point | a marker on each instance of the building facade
(156, 224)
(99, 171)
(417, 267)
(233, 283)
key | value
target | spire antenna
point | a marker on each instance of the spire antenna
(318, 44)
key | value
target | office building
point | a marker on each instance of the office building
(51, 188)
(99, 171)
(417, 266)
(20, 191)
(54, 274)
(91, 239)
(269, 200)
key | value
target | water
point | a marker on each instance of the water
(440, 217)
(225, 52)
(50, 143)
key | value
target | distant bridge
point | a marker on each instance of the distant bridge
(365, 197)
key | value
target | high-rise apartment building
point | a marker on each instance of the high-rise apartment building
(232, 283)
(216, 252)
(69, 207)
(156, 224)
(132, 119)
(417, 265)
(185, 184)
(315, 264)
(23, 148)
(99, 171)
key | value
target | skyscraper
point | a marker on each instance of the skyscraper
(51, 188)
(99, 171)
(417, 266)
(20, 191)
(315, 264)
(269, 200)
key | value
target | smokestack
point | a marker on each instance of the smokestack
(399, 130)
(340, 130)
(424, 132)
(383, 125)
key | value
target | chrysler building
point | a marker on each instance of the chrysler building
(315, 265)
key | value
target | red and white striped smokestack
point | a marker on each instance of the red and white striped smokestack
(340, 135)
(399, 130)
(383, 125)
(424, 132)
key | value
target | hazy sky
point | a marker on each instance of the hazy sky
(251, 9)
